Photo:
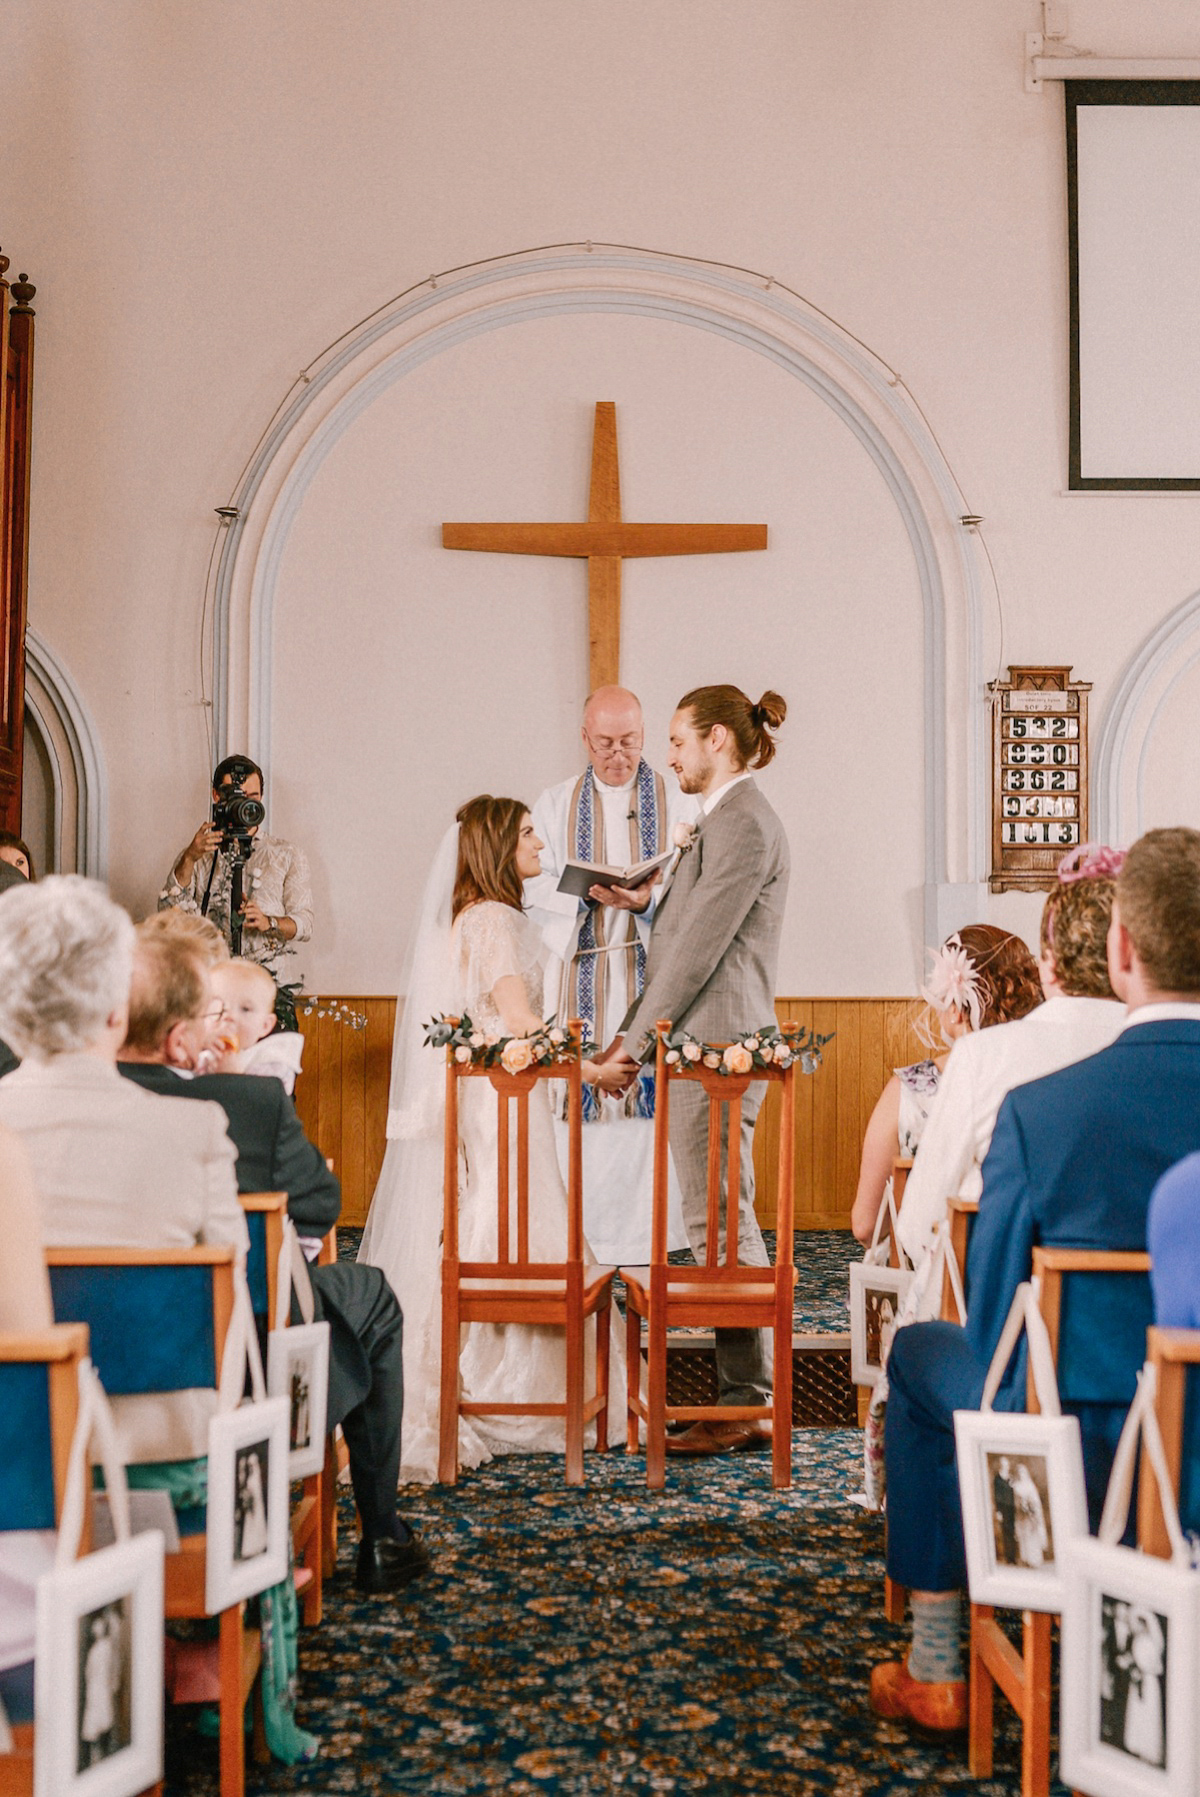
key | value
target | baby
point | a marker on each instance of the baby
(248, 993)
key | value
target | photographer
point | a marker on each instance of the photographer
(276, 908)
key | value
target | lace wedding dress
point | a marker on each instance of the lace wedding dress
(500, 1363)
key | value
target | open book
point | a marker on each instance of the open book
(578, 877)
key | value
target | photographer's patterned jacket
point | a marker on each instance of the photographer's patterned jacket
(276, 877)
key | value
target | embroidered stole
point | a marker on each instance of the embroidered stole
(589, 970)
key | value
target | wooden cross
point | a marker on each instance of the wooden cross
(605, 540)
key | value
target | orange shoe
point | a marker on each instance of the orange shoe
(895, 1693)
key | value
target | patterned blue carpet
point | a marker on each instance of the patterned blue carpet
(712, 1638)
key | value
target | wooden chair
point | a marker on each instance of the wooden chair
(1085, 1295)
(514, 1288)
(158, 1319)
(39, 1404)
(718, 1294)
(1175, 1357)
(265, 1215)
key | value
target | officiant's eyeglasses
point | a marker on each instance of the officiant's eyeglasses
(606, 745)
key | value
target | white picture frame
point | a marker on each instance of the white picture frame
(1024, 1500)
(248, 1520)
(1130, 1722)
(298, 1371)
(876, 1294)
(98, 1677)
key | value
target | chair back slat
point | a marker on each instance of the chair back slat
(523, 1177)
(1115, 1309)
(1175, 1357)
(264, 1213)
(39, 1402)
(503, 1176)
(155, 1317)
(713, 1220)
(733, 1182)
(26, 1447)
(1189, 1469)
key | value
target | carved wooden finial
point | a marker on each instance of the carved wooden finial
(23, 291)
(3, 265)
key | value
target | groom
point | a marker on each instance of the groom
(714, 953)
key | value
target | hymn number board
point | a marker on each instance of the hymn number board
(1039, 775)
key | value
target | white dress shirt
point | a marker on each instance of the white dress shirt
(983, 1067)
(116, 1166)
(714, 798)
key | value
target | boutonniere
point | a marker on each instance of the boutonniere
(684, 835)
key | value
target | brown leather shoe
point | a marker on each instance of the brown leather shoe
(895, 1693)
(718, 1437)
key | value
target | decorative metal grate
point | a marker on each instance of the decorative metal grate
(822, 1395)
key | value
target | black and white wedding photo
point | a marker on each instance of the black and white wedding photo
(1133, 1688)
(105, 1682)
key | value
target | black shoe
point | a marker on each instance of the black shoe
(387, 1565)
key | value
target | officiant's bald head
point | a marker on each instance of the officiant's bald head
(613, 733)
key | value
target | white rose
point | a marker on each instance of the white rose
(751, 1042)
(462, 1056)
(712, 1060)
(683, 835)
(672, 1057)
(517, 1055)
(691, 1051)
(781, 1053)
(477, 1040)
(558, 1037)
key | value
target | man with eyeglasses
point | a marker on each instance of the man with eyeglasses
(618, 812)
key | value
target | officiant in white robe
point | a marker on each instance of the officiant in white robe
(619, 811)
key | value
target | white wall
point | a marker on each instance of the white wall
(206, 195)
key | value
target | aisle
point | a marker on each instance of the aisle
(712, 1638)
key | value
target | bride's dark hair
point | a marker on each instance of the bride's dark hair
(488, 829)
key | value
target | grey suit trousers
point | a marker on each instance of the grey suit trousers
(744, 1356)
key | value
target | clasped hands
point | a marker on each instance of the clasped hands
(614, 1072)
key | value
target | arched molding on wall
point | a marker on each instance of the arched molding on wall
(62, 720)
(1139, 701)
(862, 391)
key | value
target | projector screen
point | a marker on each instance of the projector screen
(1133, 169)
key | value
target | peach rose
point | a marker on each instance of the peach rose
(691, 1052)
(516, 1055)
(738, 1058)
(781, 1053)
(712, 1060)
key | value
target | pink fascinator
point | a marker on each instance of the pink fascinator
(953, 980)
(1091, 861)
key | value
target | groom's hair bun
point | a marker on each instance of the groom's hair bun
(751, 726)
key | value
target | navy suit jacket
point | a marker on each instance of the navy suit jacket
(1073, 1160)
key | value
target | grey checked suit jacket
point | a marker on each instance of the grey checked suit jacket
(714, 948)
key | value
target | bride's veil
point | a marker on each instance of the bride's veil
(404, 1227)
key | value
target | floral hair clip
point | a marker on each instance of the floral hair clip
(1091, 861)
(953, 980)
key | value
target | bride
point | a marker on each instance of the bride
(474, 953)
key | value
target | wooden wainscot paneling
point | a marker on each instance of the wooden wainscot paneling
(342, 1093)
(342, 1098)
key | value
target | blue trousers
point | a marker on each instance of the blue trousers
(932, 1372)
